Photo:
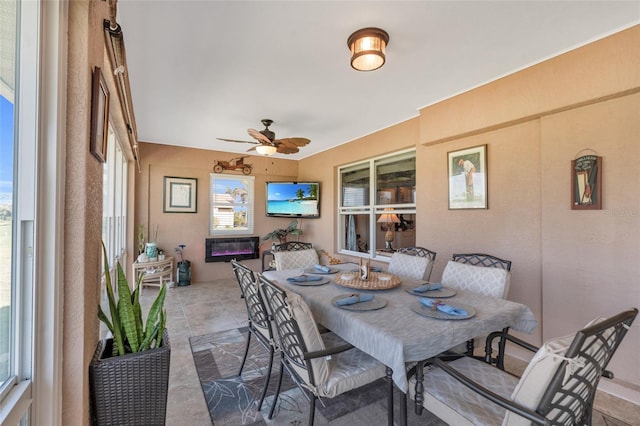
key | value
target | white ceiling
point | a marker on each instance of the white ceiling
(206, 69)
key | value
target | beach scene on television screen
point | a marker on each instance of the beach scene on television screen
(293, 198)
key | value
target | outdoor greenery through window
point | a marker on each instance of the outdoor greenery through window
(231, 204)
(377, 205)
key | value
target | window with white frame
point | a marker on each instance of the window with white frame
(231, 204)
(114, 201)
(377, 210)
(23, 181)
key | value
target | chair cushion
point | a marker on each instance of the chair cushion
(348, 370)
(536, 377)
(442, 395)
(296, 259)
(478, 279)
(405, 265)
(311, 336)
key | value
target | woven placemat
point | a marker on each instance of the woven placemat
(375, 281)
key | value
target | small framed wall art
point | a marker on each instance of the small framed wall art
(586, 183)
(180, 195)
(99, 116)
(468, 178)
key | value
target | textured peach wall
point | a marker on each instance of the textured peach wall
(597, 70)
(83, 205)
(569, 266)
(590, 258)
(83, 213)
(192, 229)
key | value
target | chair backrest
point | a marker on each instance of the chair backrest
(479, 273)
(297, 333)
(411, 265)
(481, 259)
(291, 246)
(256, 309)
(418, 251)
(561, 380)
(306, 258)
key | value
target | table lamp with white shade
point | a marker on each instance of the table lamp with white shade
(387, 219)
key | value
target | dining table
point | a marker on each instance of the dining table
(399, 330)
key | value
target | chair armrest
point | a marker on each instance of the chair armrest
(510, 338)
(328, 351)
(495, 398)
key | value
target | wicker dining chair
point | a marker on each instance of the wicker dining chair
(484, 274)
(322, 365)
(557, 387)
(259, 324)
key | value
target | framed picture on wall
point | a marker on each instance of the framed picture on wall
(180, 195)
(468, 178)
(99, 116)
(586, 183)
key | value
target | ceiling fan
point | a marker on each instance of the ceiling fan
(267, 144)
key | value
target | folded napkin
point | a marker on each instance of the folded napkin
(443, 307)
(427, 287)
(304, 278)
(354, 298)
(323, 268)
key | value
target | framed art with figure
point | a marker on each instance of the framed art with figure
(586, 183)
(180, 195)
(99, 116)
(468, 178)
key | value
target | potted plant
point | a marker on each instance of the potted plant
(129, 372)
(281, 234)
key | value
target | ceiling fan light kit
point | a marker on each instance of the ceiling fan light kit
(266, 149)
(368, 46)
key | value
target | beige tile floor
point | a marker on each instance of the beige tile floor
(206, 307)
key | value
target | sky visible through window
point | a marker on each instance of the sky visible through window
(6, 149)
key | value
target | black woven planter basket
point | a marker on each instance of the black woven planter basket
(129, 389)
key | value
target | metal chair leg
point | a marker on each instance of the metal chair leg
(246, 351)
(266, 383)
(312, 409)
(275, 397)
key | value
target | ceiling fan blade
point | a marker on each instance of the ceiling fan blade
(238, 141)
(293, 141)
(253, 148)
(259, 136)
(286, 149)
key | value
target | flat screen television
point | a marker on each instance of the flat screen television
(293, 199)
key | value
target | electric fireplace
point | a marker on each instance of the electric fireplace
(225, 249)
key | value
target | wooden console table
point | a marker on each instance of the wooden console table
(154, 273)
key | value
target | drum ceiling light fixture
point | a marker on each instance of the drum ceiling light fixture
(367, 47)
